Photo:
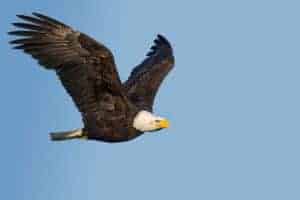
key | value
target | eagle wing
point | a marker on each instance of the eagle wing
(145, 79)
(85, 67)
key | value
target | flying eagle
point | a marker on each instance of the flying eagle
(111, 111)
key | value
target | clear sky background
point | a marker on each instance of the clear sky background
(233, 100)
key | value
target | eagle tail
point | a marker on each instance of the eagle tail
(68, 135)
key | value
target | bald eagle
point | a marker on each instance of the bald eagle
(111, 111)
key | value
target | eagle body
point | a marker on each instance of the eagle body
(111, 111)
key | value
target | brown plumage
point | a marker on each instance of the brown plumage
(87, 70)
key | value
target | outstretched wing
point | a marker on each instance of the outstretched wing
(145, 79)
(85, 67)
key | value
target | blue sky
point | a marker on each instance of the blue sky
(233, 101)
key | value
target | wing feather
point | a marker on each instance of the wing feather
(145, 79)
(85, 67)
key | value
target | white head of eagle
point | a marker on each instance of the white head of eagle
(146, 121)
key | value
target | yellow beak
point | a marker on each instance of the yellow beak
(164, 123)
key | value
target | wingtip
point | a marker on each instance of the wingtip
(17, 24)
(16, 42)
(19, 15)
(12, 42)
(163, 39)
(161, 36)
(49, 19)
(27, 18)
(37, 14)
(11, 32)
(159, 42)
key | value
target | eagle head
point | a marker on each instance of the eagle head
(146, 121)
